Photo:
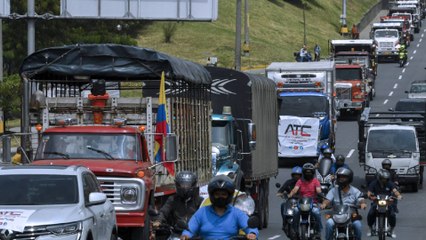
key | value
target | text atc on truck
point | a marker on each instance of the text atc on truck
(114, 135)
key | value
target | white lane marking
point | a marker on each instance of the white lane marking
(386, 101)
(407, 63)
(400, 77)
(411, 58)
(420, 40)
(414, 52)
(275, 237)
(395, 86)
(350, 153)
(418, 44)
(377, 115)
(390, 94)
(403, 70)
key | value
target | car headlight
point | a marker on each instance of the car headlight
(413, 170)
(381, 203)
(129, 195)
(245, 203)
(65, 229)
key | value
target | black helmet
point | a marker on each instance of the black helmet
(344, 172)
(186, 182)
(340, 160)
(221, 182)
(308, 171)
(383, 176)
(386, 162)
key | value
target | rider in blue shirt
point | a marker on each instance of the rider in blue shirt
(340, 162)
(220, 220)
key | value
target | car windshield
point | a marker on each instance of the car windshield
(391, 141)
(348, 74)
(221, 132)
(418, 88)
(37, 189)
(303, 106)
(385, 34)
(88, 146)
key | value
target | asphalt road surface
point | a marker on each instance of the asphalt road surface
(391, 83)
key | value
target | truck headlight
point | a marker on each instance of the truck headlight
(413, 170)
(245, 203)
(65, 229)
(129, 195)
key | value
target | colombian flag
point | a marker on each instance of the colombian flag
(162, 128)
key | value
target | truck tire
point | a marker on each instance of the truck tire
(261, 203)
(137, 233)
(415, 187)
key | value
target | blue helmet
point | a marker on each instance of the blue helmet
(296, 170)
(323, 147)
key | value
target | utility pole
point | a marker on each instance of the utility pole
(2, 120)
(304, 23)
(246, 46)
(238, 36)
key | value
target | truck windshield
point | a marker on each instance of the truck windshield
(221, 132)
(88, 146)
(37, 189)
(351, 60)
(391, 141)
(386, 34)
(348, 74)
(304, 106)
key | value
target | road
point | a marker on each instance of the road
(391, 83)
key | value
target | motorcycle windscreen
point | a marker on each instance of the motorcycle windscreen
(324, 166)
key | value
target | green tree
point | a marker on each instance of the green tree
(10, 96)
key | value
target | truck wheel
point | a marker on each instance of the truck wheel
(260, 207)
(415, 187)
(137, 233)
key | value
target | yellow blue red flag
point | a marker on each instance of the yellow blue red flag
(162, 128)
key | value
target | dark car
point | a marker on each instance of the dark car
(411, 105)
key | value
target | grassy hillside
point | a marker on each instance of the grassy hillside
(276, 31)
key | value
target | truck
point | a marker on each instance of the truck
(397, 136)
(387, 39)
(352, 91)
(115, 137)
(307, 111)
(245, 104)
(403, 25)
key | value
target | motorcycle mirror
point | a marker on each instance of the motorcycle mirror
(278, 185)
(253, 222)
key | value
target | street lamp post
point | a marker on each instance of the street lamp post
(304, 23)
(238, 36)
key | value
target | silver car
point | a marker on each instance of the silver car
(54, 202)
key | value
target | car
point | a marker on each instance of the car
(417, 89)
(54, 202)
(411, 105)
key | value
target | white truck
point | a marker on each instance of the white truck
(397, 136)
(307, 111)
(387, 38)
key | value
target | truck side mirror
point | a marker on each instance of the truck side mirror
(171, 147)
(252, 136)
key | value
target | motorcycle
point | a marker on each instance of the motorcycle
(381, 227)
(307, 227)
(324, 175)
(402, 59)
(342, 216)
(290, 205)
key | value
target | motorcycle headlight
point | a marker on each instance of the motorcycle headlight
(381, 203)
(304, 207)
(65, 229)
(341, 218)
(129, 195)
(245, 203)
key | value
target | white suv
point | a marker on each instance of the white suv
(54, 202)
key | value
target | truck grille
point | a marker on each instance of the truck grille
(113, 187)
(343, 93)
(385, 44)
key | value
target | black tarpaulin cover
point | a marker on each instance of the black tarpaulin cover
(110, 61)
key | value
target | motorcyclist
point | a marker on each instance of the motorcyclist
(387, 164)
(382, 185)
(326, 151)
(296, 174)
(183, 205)
(220, 220)
(307, 186)
(347, 194)
(403, 50)
(340, 162)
